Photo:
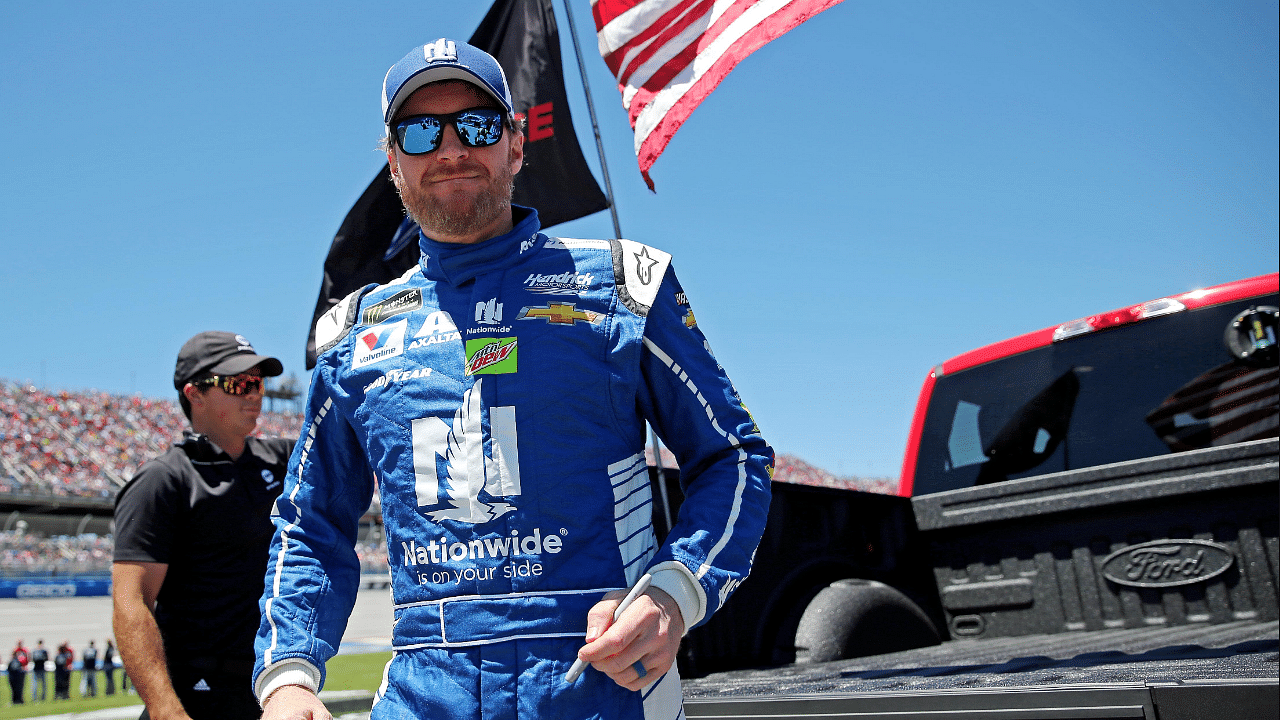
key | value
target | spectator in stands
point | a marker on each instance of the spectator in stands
(62, 664)
(39, 688)
(109, 666)
(192, 531)
(89, 670)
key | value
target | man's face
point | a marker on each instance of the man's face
(232, 414)
(456, 193)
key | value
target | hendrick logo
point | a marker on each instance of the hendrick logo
(1167, 563)
(402, 302)
(565, 283)
(491, 356)
(560, 314)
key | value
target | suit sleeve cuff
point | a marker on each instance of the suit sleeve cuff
(294, 671)
(674, 579)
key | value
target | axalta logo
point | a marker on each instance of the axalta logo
(560, 314)
(566, 283)
(395, 376)
(437, 328)
(379, 343)
(491, 356)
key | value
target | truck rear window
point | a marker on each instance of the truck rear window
(1162, 385)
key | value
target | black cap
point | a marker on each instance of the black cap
(221, 353)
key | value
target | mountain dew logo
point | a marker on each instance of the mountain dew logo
(491, 356)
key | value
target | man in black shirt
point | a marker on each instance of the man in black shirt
(192, 531)
(89, 670)
(39, 688)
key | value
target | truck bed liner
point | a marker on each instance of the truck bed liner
(1167, 654)
(1200, 671)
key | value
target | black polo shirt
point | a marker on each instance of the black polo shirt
(208, 518)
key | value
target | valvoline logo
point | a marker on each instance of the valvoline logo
(378, 343)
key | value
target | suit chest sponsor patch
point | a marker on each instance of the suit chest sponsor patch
(378, 343)
(402, 302)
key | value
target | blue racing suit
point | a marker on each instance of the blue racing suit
(497, 396)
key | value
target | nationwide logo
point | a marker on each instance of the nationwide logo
(437, 328)
(379, 343)
(438, 552)
(458, 459)
(491, 356)
(269, 478)
(402, 302)
(560, 314)
(440, 51)
(566, 283)
(490, 312)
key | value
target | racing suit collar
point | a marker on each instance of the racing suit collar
(456, 264)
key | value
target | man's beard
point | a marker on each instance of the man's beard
(454, 217)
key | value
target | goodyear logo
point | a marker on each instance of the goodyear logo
(491, 356)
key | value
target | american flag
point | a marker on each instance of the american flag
(668, 55)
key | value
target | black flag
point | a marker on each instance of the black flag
(555, 178)
(377, 243)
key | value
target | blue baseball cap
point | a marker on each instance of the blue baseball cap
(443, 59)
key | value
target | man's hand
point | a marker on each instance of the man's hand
(648, 632)
(293, 702)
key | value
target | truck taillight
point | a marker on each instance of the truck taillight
(1155, 308)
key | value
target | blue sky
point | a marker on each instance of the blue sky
(887, 186)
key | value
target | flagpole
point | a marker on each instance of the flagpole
(595, 125)
(617, 233)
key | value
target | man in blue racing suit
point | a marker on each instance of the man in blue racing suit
(497, 396)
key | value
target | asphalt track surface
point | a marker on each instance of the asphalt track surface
(81, 619)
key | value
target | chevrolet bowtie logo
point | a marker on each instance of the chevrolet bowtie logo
(560, 314)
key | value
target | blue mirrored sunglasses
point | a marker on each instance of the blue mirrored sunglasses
(476, 127)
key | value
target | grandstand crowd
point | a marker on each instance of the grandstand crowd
(88, 443)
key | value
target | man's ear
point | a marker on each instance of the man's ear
(391, 163)
(192, 394)
(517, 152)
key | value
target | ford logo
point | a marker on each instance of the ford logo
(1167, 563)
